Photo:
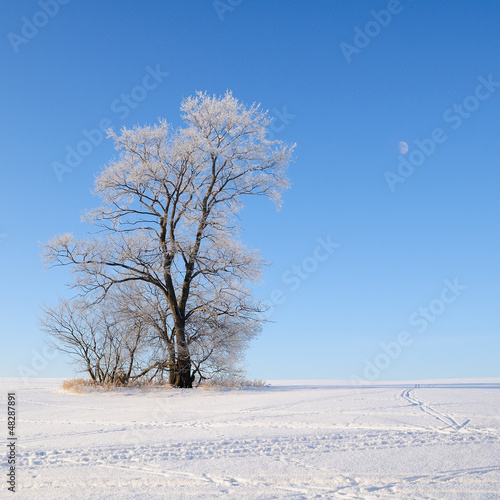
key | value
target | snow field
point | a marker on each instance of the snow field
(292, 439)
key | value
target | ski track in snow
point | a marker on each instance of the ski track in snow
(277, 447)
(426, 408)
(370, 443)
(152, 460)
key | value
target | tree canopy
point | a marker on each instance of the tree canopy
(169, 222)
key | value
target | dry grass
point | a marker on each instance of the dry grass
(78, 385)
(233, 383)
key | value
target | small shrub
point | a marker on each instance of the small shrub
(78, 385)
(233, 382)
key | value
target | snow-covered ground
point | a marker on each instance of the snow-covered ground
(294, 439)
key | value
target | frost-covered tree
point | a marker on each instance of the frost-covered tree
(105, 344)
(169, 218)
(219, 329)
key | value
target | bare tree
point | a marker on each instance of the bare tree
(105, 346)
(169, 213)
(219, 331)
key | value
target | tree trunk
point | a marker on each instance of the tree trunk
(182, 376)
(172, 365)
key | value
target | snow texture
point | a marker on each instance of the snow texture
(293, 439)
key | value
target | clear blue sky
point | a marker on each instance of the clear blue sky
(348, 99)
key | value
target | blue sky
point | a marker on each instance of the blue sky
(412, 289)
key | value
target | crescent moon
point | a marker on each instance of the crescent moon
(403, 147)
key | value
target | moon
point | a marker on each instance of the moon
(403, 147)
